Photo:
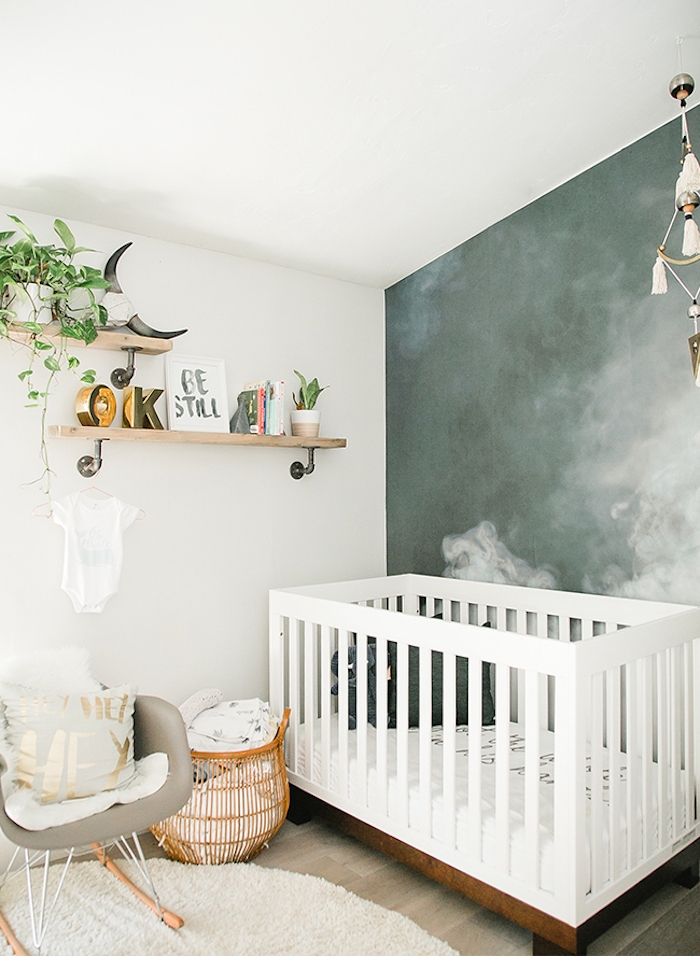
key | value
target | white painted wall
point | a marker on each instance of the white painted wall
(223, 525)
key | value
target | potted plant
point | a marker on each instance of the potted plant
(306, 418)
(40, 283)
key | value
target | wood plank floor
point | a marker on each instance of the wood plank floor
(668, 924)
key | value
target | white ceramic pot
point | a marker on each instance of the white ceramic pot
(32, 304)
(306, 422)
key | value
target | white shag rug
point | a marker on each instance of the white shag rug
(230, 910)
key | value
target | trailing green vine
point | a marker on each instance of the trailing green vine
(45, 278)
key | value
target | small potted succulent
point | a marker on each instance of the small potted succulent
(306, 418)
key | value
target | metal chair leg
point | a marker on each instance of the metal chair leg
(41, 924)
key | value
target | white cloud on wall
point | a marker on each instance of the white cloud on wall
(479, 555)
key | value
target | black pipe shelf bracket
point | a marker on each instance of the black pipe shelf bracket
(89, 465)
(298, 470)
(121, 377)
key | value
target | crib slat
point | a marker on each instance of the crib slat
(676, 705)
(474, 713)
(343, 642)
(647, 725)
(326, 654)
(449, 747)
(632, 773)
(663, 746)
(596, 783)
(544, 702)
(613, 738)
(532, 777)
(294, 638)
(382, 711)
(503, 767)
(425, 732)
(520, 621)
(361, 729)
(572, 722)
(310, 671)
(501, 619)
(694, 723)
(689, 749)
(402, 732)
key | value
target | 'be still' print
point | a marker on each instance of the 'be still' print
(196, 394)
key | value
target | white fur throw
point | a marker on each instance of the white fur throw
(55, 670)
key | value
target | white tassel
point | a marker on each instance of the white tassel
(659, 283)
(689, 176)
(691, 238)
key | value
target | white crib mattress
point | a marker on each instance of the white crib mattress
(516, 788)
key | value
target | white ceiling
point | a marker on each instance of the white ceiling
(352, 138)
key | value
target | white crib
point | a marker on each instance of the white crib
(580, 797)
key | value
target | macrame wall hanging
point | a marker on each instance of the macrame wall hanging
(687, 201)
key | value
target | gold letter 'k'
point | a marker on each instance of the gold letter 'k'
(138, 407)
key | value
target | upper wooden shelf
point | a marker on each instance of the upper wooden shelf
(200, 438)
(106, 339)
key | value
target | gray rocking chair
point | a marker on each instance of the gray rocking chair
(158, 727)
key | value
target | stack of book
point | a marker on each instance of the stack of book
(264, 404)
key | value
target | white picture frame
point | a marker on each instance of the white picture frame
(196, 394)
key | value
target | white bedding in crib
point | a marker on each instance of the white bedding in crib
(488, 788)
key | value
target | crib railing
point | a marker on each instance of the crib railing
(595, 787)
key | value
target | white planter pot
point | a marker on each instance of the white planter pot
(305, 422)
(32, 304)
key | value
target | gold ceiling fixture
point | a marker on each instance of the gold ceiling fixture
(687, 200)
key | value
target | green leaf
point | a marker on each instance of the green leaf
(73, 362)
(33, 327)
(25, 374)
(52, 364)
(25, 229)
(42, 346)
(33, 395)
(72, 331)
(89, 376)
(4, 236)
(89, 331)
(308, 393)
(64, 234)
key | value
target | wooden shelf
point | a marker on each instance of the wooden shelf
(112, 341)
(197, 438)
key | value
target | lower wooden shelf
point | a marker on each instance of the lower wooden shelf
(197, 438)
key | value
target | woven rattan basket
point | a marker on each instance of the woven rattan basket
(238, 803)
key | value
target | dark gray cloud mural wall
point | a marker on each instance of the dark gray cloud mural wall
(542, 418)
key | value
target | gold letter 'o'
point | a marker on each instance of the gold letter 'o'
(96, 405)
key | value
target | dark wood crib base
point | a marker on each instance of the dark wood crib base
(550, 936)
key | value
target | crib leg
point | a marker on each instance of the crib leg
(690, 877)
(544, 947)
(299, 809)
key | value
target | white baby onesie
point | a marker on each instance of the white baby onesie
(92, 556)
